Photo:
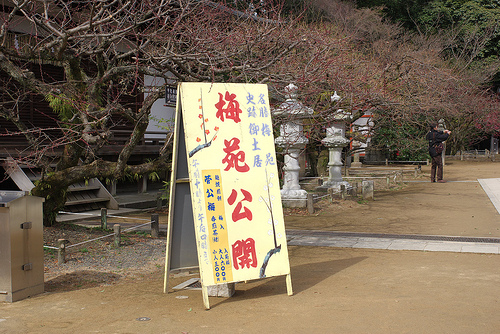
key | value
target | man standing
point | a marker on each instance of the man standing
(436, 139)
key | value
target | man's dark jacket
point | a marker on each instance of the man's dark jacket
(435, 137)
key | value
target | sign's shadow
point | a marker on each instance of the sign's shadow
(304, 277)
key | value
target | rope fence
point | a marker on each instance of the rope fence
(341, 192)
(109, 235)
(63, 243)
(91, 240)
(368, 173)
(396, 175)
(399, 162)
(396, 178)
(94, 215)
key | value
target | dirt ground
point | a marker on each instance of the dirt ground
(336, 290)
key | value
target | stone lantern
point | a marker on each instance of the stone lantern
(335, 141)
(293, 141)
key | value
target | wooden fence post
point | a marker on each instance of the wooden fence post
(117, 230)
(310, 203)
(330, 192)
(354, 190)
(104, 218)
(61, 251)
(155, 225)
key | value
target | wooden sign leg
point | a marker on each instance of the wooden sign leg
(167, 258)
(289, 285)
(204, 292)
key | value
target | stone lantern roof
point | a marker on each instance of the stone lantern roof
(292, 106)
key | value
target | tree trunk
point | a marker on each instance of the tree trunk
(55, 199)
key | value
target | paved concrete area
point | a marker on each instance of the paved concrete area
(492, 188)
(393, 242)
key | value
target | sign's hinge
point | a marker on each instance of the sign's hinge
(26, 225)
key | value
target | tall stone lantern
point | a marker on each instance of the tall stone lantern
(335, 141)
(293, 141)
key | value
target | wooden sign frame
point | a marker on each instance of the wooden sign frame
(188, 242)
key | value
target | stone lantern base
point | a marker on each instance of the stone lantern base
(332, 185)
(294, 198)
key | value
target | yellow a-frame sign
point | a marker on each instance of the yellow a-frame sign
(224, 172)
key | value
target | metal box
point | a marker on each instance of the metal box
(21, 245)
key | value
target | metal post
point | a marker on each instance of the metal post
(155, 225)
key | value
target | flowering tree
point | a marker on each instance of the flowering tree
(413, 79)
(88, 59)
(101, 51)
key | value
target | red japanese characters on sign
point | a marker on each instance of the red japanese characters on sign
(240, 211)
(232, 111)
(244, 254)
(234, 160)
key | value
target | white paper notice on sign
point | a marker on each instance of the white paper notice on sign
(235, 190)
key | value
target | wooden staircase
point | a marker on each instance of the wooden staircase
(81, 197)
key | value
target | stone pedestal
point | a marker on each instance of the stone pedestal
(356, 163)
(368, 190)
(221, 290)
(292, 196)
